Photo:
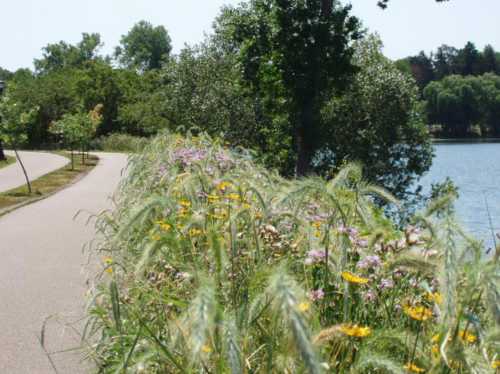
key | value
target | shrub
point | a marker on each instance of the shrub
(212, 264)
(119, 143)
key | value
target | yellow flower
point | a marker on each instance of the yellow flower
(234, 197)
(213, 199)
(495, 364)
(352, 278)
(206, 349)
(183, 212)
(223, 186)
(418, 313)
(108, 260)
(246, 206)
(304, 307)
(258, 215)
(317, 234)
(317, 224)
(355, 330)
(164, 225)
(435, 349)
(156, 237)
(435, 338)
(469, 338)
(434, 297)
(185, 203)
(413, 368)
(195, 232)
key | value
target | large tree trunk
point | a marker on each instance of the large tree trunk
(2, 154)
(305, 140)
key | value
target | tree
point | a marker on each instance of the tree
(14, 122)
(296, 53)
(145, 47)
(422, 69)
(378, 122)
(469, 60)
(76, 130)
(445, 61)
(489, 62)
(63, 55)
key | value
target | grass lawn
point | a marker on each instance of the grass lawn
(10, 160)
(48, 184)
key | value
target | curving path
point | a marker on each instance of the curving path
(37, 164)
(41, 272)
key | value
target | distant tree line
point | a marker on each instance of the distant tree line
(460, 88)
(302, 86)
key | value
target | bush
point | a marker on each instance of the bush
(119, 143)
(214, 264)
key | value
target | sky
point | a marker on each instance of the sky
(406, 28)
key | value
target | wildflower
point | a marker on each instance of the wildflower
(304, 307)
(413, 368)
(206, 349)
(435, 338)
(352, 278)
(258, 215)
(495, 364)
(195, 232)
(316, 295)
(355, 330)
(418, 313)
(369, 262)
(369, 296)
(465, 336)
(156, 237)
(434, 297)
(386, 284)
(185, 203)
(317, 224)
(317, 234)
(213, 199)
(362, 243)
(108, 260)
(435, 349)
(164, 225)
(223, 186)
(234, 197)
(246, 206)
(315, 256)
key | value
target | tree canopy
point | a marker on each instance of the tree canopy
(145, 47)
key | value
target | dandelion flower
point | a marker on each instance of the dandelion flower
(465, 336)
(434, 297)
(304, 307)
(413, 368)
(418, 313)
(352, 278)
(206, 349)
(355, 330)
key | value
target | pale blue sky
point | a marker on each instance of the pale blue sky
(407, 27)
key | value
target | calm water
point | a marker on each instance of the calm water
(475, 169)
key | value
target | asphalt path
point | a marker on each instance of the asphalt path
(37, 164)
(42, 273)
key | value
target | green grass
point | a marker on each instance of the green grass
(47, 184)
(213, 264)
(10, 160)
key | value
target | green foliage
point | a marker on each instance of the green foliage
(145, 47)
(213, 264)
(14, 122)
(377, 122)
(458, 103)
(293, 56)
(119, 143)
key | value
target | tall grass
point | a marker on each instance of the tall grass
(212, 264)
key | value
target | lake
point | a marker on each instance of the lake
(475, 170)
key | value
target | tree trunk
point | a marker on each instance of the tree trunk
(2, 154)
(24, 170)
(305, 140)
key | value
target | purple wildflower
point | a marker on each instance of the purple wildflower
(315, 256)
(369, 262)
(369, 296)
(386, 284)
(316, 295)
(188, 156)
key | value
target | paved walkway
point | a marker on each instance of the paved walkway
(37, 164)
(41, 272)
